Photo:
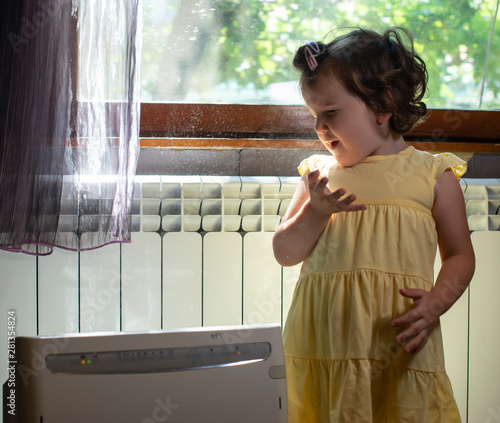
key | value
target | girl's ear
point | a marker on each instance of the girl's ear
(383, 117)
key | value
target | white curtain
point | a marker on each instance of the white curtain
(69, 137)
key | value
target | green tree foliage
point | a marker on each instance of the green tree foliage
(250, 43)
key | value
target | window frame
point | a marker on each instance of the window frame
(242, 126)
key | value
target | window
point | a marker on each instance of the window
(199, 56)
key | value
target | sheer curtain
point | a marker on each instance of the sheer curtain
(69, 129)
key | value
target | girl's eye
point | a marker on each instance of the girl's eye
(330, 112)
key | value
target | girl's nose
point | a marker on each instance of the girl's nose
(320, 126)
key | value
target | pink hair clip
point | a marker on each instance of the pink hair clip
(311, 60)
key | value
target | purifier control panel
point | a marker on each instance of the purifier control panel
(157, 360)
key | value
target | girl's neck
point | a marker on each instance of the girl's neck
(392, 145)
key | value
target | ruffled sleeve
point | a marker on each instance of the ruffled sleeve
(320, 162)
(445, 161)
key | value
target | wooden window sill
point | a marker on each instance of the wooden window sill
(209, 126)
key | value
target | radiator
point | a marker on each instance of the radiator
(215, 236)
(201, 255)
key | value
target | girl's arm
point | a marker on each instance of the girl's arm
(458, 263)
(310, 210)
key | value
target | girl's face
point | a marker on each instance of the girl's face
(345, 124)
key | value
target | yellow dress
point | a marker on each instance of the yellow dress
(342, 363)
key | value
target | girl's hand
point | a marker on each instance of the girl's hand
(306, 218)
(324, 202)
(422, 320)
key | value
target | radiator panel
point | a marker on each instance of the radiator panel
(290, 276)
(58, 293)
(222, 286)
(100, 289)
(484, 366)
(18, 303)
(261, 280)
(182, 280)
(455, 330)
(141, 282)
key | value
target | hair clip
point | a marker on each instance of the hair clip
(311, 60)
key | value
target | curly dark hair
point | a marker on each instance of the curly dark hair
(386, 74)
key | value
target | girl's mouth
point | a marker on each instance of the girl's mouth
(333, 144)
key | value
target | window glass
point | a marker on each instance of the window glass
(240, 51)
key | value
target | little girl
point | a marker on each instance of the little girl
(362, 339)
